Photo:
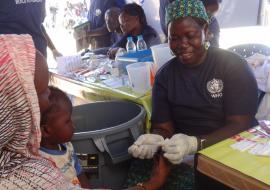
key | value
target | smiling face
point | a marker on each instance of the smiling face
(186, 39)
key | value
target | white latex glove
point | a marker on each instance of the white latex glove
(146, 146)
(178, 146)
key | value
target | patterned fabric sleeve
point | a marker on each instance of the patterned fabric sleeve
(20, 165)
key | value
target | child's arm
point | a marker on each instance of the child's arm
(160, 172)
(84, 181)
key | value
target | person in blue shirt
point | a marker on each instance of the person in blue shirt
(112, 23)
(26, 17)
(113, 26)
(98, 35)
(133, 22)
(211, 7)
(162, 11)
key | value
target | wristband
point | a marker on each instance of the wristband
(201, 144)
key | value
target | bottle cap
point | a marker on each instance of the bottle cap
(129, 38)
(139, 37)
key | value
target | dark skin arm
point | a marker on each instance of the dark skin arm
(84, 181)
(161, 168)
(112, 52)
(233, 125)
(164, 129)
(160, 172)
(50, 43)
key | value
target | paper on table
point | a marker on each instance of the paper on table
(259, 144)
(243, 145)
(114, 82)
(67, 64)
(257, 167)
(265, 125)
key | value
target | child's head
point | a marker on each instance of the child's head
(211, 6)
(56, 123)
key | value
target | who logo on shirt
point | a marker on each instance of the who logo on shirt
(215, 88)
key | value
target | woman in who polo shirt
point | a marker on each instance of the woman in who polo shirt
(200, 97)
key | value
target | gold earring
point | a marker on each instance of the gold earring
(206, 45)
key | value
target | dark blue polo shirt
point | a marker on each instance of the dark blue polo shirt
(162, 12)
(24, 17)
(150, 37)
(115, 37)
(197, 99)
(215, 30)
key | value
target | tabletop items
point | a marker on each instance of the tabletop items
(257, 142)
(90, 68)
(241, 162)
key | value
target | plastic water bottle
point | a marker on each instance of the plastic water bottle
(131, 47)
(141, 45)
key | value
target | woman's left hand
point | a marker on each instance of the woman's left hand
(112, 52)
(56, 53)
(178, 146)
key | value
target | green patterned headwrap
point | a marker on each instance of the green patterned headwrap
(183, 8)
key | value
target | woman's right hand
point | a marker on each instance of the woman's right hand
(146, 146)
(179, 146)
(112, 52)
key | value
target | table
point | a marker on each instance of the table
(96, 91)
(235, 169)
